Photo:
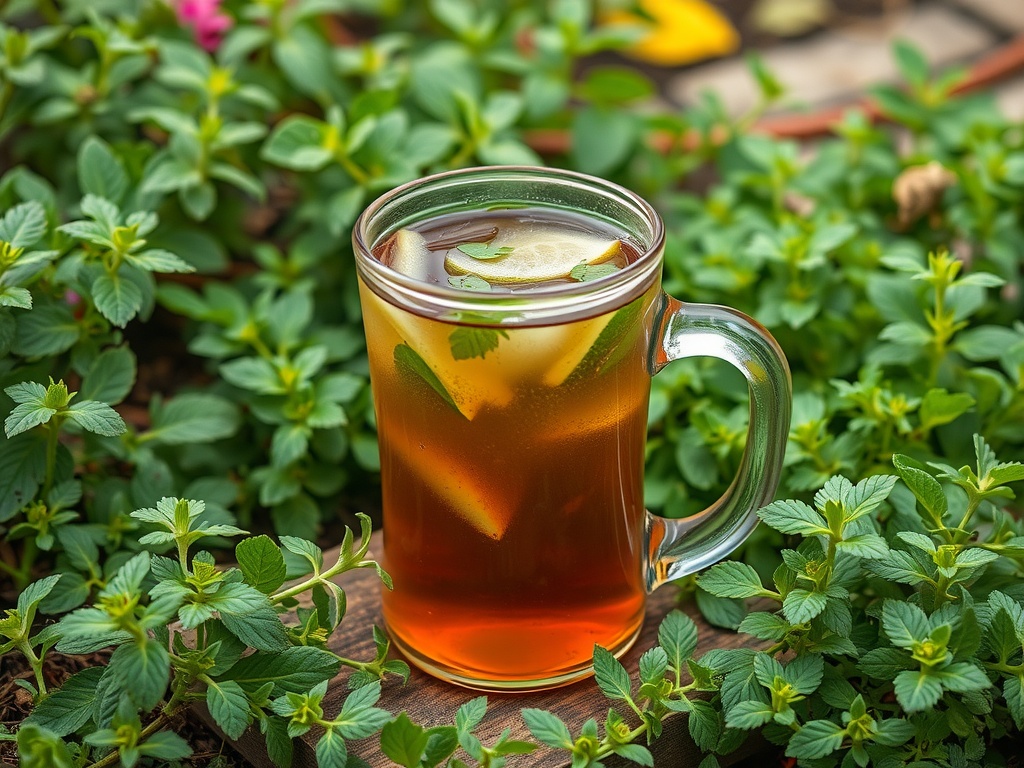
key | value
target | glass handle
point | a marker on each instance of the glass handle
(680, 547)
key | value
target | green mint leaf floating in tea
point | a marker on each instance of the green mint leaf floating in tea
(407, 360)
(485, 251)
(469, 384)
(467, 343)
(469, 283)
(586, 272)
(537, 254)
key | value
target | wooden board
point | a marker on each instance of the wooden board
(431, 702)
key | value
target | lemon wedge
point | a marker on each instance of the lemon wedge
(601, 342)
(533, 254)
(469, 384)
(487, 510)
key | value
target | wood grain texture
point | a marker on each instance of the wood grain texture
(431, 702)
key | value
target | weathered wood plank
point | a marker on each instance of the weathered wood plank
(431, 702)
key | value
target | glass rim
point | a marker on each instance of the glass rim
(538, 306)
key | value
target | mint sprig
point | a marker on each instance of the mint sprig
(410, 363)
(929, 650)
(584, 272)
(469, 283)
(469, 342)
(485, 251)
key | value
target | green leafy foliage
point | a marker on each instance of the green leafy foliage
(152, 602)
(868, 640)
(209, 198)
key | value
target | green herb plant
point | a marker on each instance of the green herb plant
(903, 616)
(179, 318)
(184, 630)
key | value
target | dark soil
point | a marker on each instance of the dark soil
(15, 701)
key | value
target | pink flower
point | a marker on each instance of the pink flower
(205, 19)
(71, 298)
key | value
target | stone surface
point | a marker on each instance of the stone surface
(838, 65)
(1010, 98)
(1008, 14)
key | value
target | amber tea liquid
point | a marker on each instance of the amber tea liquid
(511, 456)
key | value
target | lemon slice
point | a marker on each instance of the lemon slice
(535, 254)
(406, 252)
(487, 510)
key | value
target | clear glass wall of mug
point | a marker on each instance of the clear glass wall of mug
(514, 318)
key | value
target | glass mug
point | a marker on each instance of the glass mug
(514, 525)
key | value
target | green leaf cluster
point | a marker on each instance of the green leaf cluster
(895, 593)
(185, 630)
(174, 245)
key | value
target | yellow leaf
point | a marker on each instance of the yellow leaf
(681, 32)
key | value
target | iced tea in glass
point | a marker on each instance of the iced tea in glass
(513, 319)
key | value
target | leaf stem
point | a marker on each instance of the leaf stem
(182, 544)
(353, 663)
(5, 96)
(464, 154)
(634, 707)
(972, 506)
(52, 439)
(10, 570)
(103, 70)
(28, 558)
(113, 757)
(340, 567)
(1010, 669)
(606, 749)
(260, 346)
(941, 588)
(37, 666)
(940, 321)
(781, 645)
